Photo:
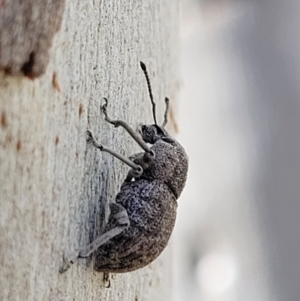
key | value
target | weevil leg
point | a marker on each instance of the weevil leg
(130, 175)
(137, 170)
(139, 159)
(68, 261)
(106, 280)
(130, 131)
(167, 101)
(118, 222)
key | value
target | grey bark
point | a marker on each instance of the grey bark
(27, 29)
(54, 186)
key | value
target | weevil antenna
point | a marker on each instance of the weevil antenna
(143, 66)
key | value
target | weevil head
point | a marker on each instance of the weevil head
(152, 133)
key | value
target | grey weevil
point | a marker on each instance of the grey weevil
(143, 215)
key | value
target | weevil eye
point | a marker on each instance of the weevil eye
(144, 128)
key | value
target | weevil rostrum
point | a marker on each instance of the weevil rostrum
(143, 215)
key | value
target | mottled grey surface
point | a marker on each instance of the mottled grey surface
(27, 29)
(52, 183)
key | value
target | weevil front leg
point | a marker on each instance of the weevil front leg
(136, 170)
(149, 153)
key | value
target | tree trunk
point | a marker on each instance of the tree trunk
(54, 186)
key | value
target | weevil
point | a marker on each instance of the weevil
(143, 215)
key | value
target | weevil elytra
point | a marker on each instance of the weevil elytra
(143, 215)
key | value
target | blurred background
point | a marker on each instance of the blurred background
(237, 235)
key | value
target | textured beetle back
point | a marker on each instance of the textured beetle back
(151, 208)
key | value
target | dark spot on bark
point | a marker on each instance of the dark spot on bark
(27, 68)
(18, 145)
(7, 71)
(56, 140)
(8, 138)
(55, 82)
(80, 111)
(34, 22)
(4, 122)
(76, 155)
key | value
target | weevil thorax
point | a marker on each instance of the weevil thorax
(171, 161)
